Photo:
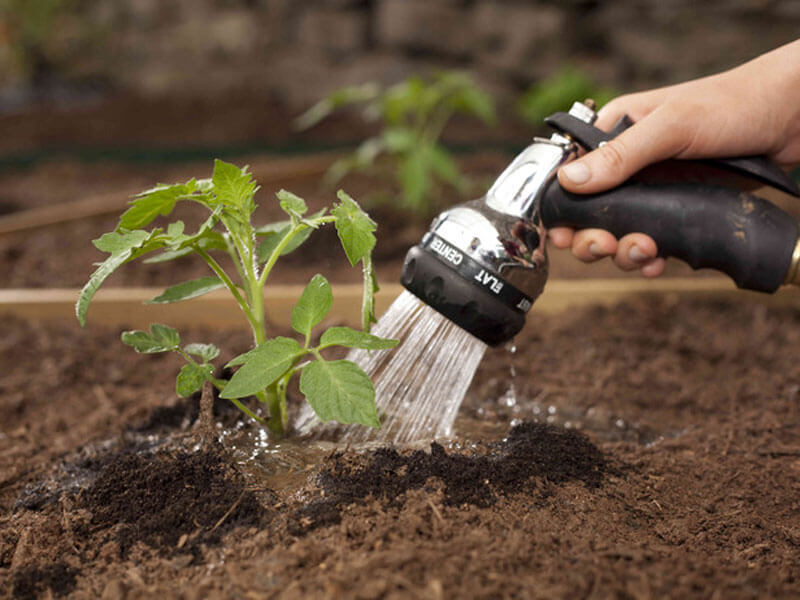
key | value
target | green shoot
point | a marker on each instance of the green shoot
(413, 115)
(337, 390)
(554, 93)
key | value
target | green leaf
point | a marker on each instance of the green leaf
(314, 304)
(291, 204)
(187, 290)
(399, 139)
(148, 205)
(415, 179)
(106, 268)
(355, 228)
(124, 246)
(207, 352)
(263, 365)
(445, 167)
(339, 391)
(337, 99)
(273, 238)
(161, 338)
(119, 241)
(191, 378)
(234, 187)
(354, 338)
(208, 240)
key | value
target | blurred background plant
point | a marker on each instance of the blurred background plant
(558, 92)
(412, 116)
(28, 31)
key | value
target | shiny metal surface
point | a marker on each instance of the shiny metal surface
(793, 276)
(503, 230)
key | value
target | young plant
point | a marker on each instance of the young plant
(554, 93)
(413, 115)
(337, 390)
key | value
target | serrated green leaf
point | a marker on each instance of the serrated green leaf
(234, 187)
(165, 334)
(106, 268)
(148, 205)
(314, 304)
(354, 338)
(355, 228)
(209, 240)
(191, 378)
(339, 391)
(124, 246)
(119, 241)
(262, 366)
(175, 230)
(160, 338)
(207, 352)
(187, 290)
(292, 204)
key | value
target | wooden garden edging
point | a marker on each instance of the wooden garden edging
(123, 306)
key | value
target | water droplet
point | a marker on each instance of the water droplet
(551, 410)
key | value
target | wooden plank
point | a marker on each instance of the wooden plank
(266, 171)
(123, 306)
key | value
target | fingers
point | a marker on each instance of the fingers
(655, 137)
(561, 237)
(633, 251)
(589, 245)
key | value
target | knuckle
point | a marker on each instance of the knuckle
(614, 155)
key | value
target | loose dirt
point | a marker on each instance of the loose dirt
(649, 450)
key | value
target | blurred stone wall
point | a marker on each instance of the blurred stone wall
(297, 50)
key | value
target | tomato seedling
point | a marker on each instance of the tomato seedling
(413, 115)
(336, 389)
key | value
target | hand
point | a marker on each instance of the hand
(751, 109)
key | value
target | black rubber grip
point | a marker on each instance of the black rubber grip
(706, 226)
(759, 168)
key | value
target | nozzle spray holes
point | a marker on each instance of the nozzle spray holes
(434, 290)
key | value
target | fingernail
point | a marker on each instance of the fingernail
(636, 255)
(596, 251)
(576, 172)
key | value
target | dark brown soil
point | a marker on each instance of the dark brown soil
(164, 500)
(531, 450)
(677, 476)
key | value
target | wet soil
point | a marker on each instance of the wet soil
(646, 450)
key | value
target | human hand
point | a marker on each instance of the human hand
(745, 111)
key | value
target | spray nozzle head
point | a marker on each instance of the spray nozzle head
(482, 264)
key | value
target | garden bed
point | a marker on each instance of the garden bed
(659, 456)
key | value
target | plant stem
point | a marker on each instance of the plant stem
(367, 294)
(276, 253)
(205, 420)
(220, 272)
(275, 422)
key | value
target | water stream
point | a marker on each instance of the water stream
(419, 385)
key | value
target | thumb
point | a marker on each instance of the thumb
(656, 137)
